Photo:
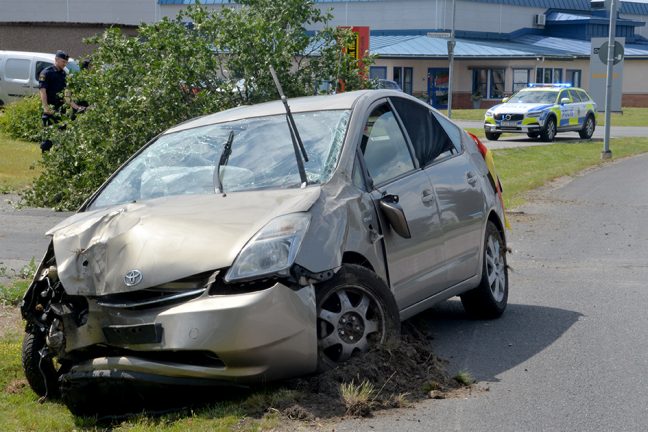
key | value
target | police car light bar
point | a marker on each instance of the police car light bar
(560, 85)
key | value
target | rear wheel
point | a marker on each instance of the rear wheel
(489, 299)
(493, 136)
(588, 128)
(355, 310)
(548, 133)
(41, 373)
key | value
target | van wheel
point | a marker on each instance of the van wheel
(490, 297)
(355, 310)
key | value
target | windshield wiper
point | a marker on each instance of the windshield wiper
(298, 145)
(224, 158)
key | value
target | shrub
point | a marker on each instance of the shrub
(22, 119)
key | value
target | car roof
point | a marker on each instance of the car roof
(340, 101)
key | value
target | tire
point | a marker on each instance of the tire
(489, 299)
(355, 310)
(43, 378)
(492, 136)
(588, 128)
(533, 135)
(548, 133)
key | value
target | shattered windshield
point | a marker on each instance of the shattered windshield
(546, 97)
(262, 157)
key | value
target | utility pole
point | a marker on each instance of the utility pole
(607, 153)
(451, 47)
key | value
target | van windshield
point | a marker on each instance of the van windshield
(261, 156)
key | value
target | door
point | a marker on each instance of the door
(16, 78)
(414, 264)
(438, 87)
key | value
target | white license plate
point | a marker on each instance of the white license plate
(509, 123)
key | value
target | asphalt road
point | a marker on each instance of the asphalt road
(571, 351)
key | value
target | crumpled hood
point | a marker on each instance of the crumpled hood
(519, 108)
(166, 239)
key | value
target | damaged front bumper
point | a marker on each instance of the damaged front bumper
(235, 338)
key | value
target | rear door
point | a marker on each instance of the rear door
(415, 265)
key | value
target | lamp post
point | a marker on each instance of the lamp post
(607, 153)
(451, 46)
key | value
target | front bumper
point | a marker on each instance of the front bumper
(258, 336)
(521, 126)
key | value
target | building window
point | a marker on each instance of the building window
(520, 79)
(378, 72)
(488, 83)
(548, 75)
(404, 77)
(574, 77)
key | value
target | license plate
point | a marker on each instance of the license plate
(509, 123)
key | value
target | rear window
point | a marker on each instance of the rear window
(17, 69)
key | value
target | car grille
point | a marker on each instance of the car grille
(505, 117)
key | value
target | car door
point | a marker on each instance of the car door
(414, 264)
(579, 106)
(568, 114)
(461, 201)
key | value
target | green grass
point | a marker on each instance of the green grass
(525, 168)
(18, 166)
(629, 117)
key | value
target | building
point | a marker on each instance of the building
(501, 45)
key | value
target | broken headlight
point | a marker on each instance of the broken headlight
(272, 250)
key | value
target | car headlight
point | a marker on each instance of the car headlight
(534, 114)
(272, 250)
(489, 113)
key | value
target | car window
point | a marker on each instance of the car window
(454, 133)
(384, 146)
(429, 138)
(584, 96)
(564, 94)
(40, 65)
(17, 69)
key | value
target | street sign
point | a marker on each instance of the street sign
(603, 52)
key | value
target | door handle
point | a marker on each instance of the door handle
(427, 196)
(471, 178)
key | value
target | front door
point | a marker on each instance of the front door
(438, 87)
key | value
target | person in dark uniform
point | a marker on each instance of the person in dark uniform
(52, 93)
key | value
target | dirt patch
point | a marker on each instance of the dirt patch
(398, 376)
(16, 386)
(10, 321)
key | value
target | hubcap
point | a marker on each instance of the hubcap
(590, 127)
(495, 269)
(348, 320)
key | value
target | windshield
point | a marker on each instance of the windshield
(262, 157)
(544, 96)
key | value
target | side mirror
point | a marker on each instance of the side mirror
(505, 99)
(395, 215)
(564, 101)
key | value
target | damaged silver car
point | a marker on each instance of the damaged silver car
(257, 244)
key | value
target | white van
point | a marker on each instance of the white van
(19, 72)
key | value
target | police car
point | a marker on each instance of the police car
(541, 111)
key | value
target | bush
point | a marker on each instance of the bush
(22, 119)
(140, 86)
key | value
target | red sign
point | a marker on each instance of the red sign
(359, 45)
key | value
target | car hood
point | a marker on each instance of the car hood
(166, 239)
(518, 108)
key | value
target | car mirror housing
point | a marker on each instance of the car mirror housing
(564, 101)
(505, 99)
(395, 215)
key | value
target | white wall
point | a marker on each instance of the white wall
(130, 12)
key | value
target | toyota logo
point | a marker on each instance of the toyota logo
(133, 278)
(507, 117)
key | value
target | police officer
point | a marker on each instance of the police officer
(52, 86)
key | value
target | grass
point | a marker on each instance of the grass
(12, 291)
(18, 166)
(357, 398)
(629, 117)
(525, 168)
(464, 378)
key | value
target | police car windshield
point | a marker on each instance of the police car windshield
(535, 96)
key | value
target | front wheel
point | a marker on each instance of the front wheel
(548, 133)
(490, 297)
(492, 136)
(588, 128)
(40, 372)
(355, 310)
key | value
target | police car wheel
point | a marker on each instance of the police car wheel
(548, 133)
(588, 128)
(492, 136)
